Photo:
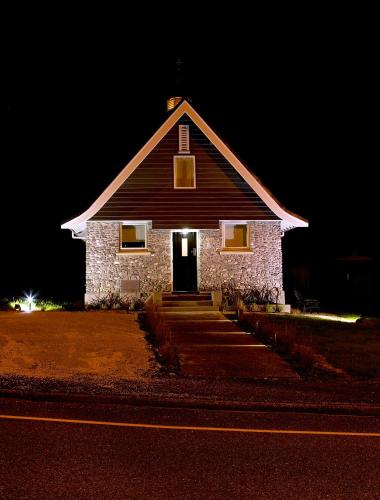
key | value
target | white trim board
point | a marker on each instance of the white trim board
(288, 219)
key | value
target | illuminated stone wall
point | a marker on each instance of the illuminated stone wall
(263, 266)
(105, 267)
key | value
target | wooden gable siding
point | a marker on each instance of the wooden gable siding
(220, 194)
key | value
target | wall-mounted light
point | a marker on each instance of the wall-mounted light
(184, 231)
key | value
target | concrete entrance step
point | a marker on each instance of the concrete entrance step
(192, 292)
(212, 339)
(190, 316)
(186, 297)
(179, 309)
(185, 303)
(204, 326)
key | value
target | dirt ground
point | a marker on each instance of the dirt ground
(69, 344)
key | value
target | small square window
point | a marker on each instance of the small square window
(184, 172)
(236, 236)
(133, 236)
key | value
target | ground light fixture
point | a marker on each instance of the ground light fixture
(30, 300)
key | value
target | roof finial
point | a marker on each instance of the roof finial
(179, 75)
(179, 88)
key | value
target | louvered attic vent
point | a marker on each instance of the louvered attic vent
(183, 139)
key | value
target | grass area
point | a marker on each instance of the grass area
(345, 345)
(345, 318)
(38, 305)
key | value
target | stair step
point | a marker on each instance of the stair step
(184, 303)
(181, 308)
(186, 297)
(198, 294)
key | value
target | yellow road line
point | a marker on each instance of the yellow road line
(190, 428)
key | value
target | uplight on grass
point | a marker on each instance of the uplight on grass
(345, 318)
(25, 304)
(28, 303)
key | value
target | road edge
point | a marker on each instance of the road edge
(339, 408)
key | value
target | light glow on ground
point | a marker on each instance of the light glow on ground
(28, 304)
(25, 305)
(346, 318)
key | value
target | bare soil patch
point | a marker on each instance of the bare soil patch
(69, 344)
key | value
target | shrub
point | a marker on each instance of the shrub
(161, 338)
(114, 300)
(250, 295)
(111, 301)
(162, 332)
(137, 303)
(75, 305)
(230, 295)
(283, 336)
(284, 339)
(295, 311)
(157, 326)
(48, 305)
(168, 356)
(4, 304)
(21, 303)
(150, 318)
(303, 356)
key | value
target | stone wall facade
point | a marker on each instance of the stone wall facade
(261, 266)
(106, 266)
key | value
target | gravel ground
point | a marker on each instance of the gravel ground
(46, 367)
(72, 345)
(177, 389)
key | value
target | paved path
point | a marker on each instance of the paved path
(211, 345)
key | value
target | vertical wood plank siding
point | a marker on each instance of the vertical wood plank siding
(221, 193)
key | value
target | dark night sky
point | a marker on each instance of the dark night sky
(296, 98)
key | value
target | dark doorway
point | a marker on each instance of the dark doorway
(185, 262)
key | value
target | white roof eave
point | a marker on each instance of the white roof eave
(288, 220)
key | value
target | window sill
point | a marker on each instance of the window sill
(139, 251)
(235, 250)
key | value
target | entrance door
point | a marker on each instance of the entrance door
(185, 262)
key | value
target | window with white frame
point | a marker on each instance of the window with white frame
(235, 235)
(184, 172)
(132, 236)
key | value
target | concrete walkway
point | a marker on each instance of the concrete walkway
(210, 345)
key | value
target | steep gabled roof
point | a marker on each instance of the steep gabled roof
(288, 219)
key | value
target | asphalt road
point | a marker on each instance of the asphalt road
(168, 453)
